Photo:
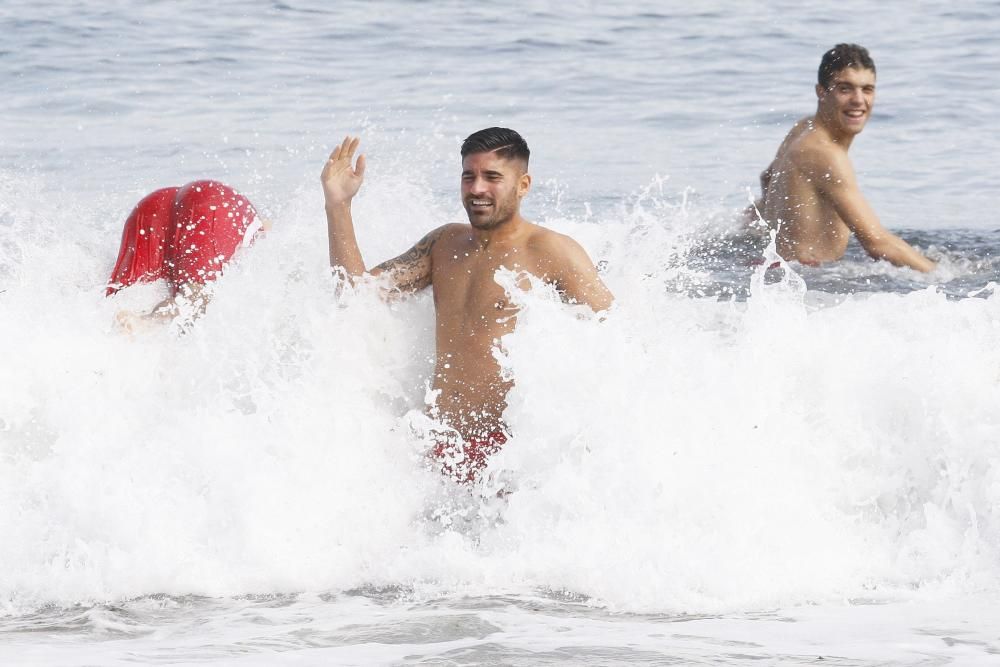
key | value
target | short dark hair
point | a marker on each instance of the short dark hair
(506, 143)
(841, 56)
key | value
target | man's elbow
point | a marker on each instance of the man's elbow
(598, 301)
(601, 303)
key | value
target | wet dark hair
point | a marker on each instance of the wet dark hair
(506, 143)
(841, 56)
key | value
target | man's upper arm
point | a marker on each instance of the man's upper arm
(838, 184)
(576, 276)
(411, 271)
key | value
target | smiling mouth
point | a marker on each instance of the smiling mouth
(855, 114)
(480, 203)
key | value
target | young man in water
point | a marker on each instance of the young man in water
(810, 191)
(458, 261)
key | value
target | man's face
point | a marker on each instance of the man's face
(492, 188)
(847, 103)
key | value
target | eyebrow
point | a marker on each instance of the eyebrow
(488, 172)
(848, 83)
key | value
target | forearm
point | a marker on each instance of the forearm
(344, 251)
(900, 253)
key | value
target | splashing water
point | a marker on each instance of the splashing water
(683, 453)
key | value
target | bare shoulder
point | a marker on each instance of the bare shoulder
(786, 155)
(564, 262)
(453, 229)
(450, 238)
(557, 252)
(801, 126)
(414, 266)
(450, 230)
(444, 235)
(552, 243)
(814, 152)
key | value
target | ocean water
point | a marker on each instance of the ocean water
(738, 466)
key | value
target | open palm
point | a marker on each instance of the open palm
(341, 179)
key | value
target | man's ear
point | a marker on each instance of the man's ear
(523, 184)
(820, 91)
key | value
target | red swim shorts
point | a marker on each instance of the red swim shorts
(464, 460)
(183, 235)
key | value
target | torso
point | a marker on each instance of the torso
(473, 313)
(809, 229)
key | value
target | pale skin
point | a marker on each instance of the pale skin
(810, 190)
(459, 261)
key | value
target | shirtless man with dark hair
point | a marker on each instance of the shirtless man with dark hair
(810, 191)
(459, 261)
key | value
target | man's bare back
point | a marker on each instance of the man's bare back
(810, 192)
(459, 262)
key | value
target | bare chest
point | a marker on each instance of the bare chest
(467, 298)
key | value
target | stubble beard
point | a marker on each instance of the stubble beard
(503, 214)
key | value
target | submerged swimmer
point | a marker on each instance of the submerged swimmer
(185, 236)
(810, 191)
(458, 261)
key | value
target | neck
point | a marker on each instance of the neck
(504, 232)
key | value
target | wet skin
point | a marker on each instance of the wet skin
(459, 262)
(810, 190)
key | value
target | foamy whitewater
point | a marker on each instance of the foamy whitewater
(735, 466)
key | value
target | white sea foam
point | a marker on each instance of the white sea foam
(679, 454)
(684, 454)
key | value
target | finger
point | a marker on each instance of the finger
(353, 146)
(345, 144)
(360, 171)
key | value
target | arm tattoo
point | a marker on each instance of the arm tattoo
(412, 269)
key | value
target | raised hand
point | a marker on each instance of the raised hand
(341, 179)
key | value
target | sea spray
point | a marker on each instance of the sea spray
(679, 453)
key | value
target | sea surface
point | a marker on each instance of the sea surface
(737, 466)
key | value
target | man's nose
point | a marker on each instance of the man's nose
(858, 96)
